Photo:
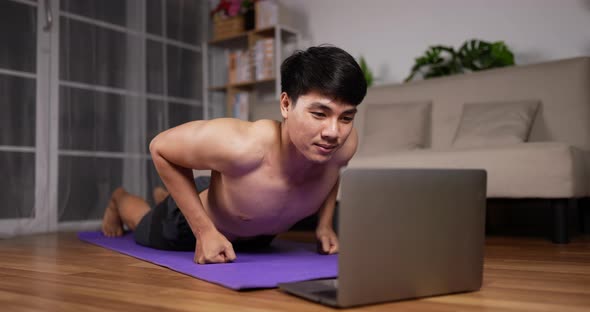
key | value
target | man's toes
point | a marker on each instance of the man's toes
(107, 232)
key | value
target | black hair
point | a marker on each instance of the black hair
(325, 69)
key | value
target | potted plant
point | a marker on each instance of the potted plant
(473, 55)
(231, 17)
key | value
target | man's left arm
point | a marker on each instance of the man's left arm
(326, 237)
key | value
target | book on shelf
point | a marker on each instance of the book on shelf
(241, 105)
(239, 66)
(263, 55)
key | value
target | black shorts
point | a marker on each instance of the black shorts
(165, 227)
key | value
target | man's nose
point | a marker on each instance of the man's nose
(330, 130)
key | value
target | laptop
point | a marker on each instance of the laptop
(404, 234)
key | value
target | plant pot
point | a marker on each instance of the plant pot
(228, 27)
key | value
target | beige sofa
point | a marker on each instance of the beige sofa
(528, 126)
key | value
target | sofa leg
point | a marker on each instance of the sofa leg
(584, 215)
(560, 221)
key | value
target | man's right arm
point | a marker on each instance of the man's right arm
(220, 145)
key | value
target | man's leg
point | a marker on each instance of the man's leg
(123, 208)
(164, 227)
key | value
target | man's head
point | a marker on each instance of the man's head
(321, 88)
(327, 70)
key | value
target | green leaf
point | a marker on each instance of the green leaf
(501, 54)
(366, 71)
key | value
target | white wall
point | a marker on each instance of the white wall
(391, 33)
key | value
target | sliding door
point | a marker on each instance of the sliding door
(84, 86)
(128, 69)
(24, 107)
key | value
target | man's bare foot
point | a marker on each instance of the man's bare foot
(111, 221)
(159, 194)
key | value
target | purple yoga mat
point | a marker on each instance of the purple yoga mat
(282, 262)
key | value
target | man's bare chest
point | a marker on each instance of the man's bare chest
(265, 194)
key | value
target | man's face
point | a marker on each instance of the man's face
(317, 125)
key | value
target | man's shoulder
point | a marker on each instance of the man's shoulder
(265, 125)
(264, 132)
(252, 140)
(246, 131)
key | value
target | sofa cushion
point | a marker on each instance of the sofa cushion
(493, 123)
(393, 127)
(534, 170)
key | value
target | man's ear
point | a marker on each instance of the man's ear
(286, 104)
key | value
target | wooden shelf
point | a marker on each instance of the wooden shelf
(252, 83)
(263, 32)
(254, 89)
(226, 40)
(242, 85)
(218, 88)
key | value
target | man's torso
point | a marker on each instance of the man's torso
(261, 201)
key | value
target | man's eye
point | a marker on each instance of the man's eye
(316, 114)
(348, 119)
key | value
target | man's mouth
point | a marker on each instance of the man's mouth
(326, 148)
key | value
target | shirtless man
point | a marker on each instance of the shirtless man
(265, 175)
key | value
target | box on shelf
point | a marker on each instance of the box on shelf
(227, 27)
(267, 13)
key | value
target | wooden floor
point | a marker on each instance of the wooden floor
(59, 273)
